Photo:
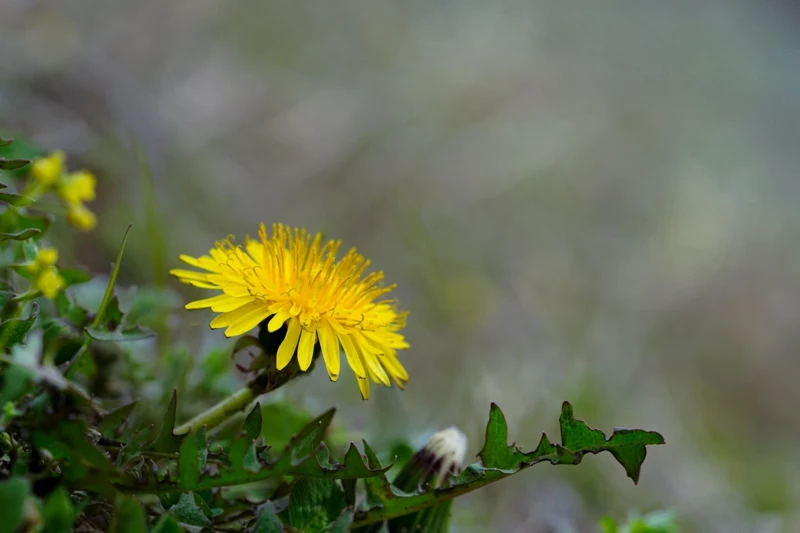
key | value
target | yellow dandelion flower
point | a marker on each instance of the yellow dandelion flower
(291, 279)
(81, 217)
(77, 187)
(47, 170)
(50, 282)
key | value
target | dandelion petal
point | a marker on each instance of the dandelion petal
(277, 321)
(305, 350)
(330, 351)
(353, 358)
(248, 321)
(289, 344)
(363, 386)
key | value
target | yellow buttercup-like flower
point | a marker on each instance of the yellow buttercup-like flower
(294, 280)
(81, 217)
(47, 170)
(50, 282)
(47, 257)
(77, 187)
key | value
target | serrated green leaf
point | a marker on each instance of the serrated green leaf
(496, 453)
(15, 199)
(20, 236)
(167, 441)
(252, 424)
(187, 512)
(353, 467)
(13, 493)
(499, 460)
(59, 513)
(133, 334)
(129, 516)
(188, 464)
(12, 164)
(304, 454)
(167, 524)
(13, 331)
(267, 521)
(314, 503)
(114, 420)
(628, 446)
(307, 439)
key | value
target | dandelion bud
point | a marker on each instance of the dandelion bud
(443, 455)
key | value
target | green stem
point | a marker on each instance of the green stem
(263, 383)
(215, 416)
(101, 312)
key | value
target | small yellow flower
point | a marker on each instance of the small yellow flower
(47, 170)
(297, 281)
(77, 187)
(50, 282)
(47, 257)
(81, 217)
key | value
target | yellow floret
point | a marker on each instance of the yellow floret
(78, 187)
(81, 217)
(47, 170)
(50, 282)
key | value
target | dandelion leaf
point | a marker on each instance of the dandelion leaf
(114, 421)
(500, 460)
(167, 441)
(314, 504)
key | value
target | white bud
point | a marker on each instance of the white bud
(445, 452)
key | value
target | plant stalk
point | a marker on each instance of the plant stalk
(220, 412)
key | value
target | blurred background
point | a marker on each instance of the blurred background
(593, 201)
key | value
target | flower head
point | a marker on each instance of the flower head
(81, 217)
(47, 170)
(77, 187)
(50, 282)
(292, 279)
(47, 257)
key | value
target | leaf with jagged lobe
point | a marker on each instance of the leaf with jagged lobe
(167, 441)
(499, 460)
(113, 423)
(246, 461)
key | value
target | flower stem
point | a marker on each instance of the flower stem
(266, 381)
(217, 414)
